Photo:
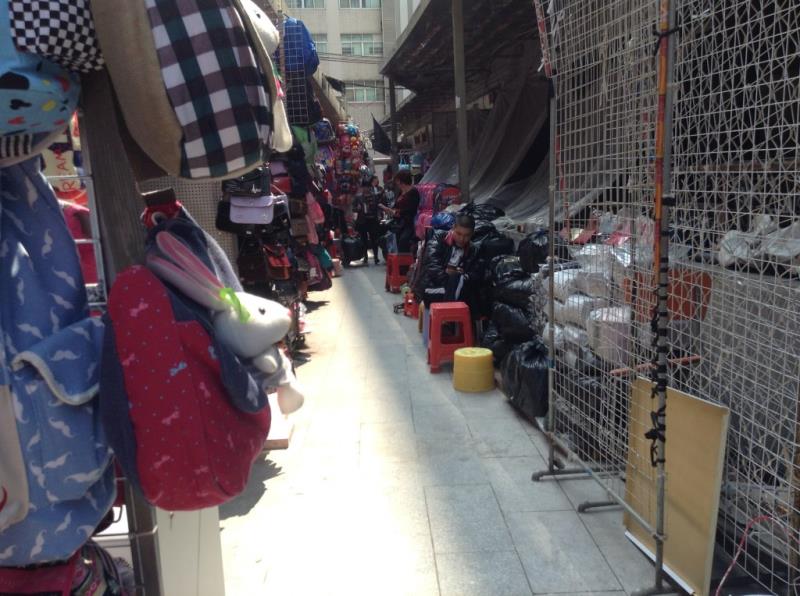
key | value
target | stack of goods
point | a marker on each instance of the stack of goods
(350, 156)
(514, 334)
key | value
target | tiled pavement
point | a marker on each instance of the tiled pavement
(396, 484)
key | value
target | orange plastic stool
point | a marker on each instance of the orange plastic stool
(410, 305)
(440, 348)
(397, 266)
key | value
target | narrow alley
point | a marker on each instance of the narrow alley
(396, 484)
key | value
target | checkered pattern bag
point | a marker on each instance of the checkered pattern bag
(214, 83)
(60, 30)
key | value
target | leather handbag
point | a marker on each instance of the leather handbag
(278, 263)
(254, 184)
(252, 262)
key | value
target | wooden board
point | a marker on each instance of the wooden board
(695, 450)
(281, 428)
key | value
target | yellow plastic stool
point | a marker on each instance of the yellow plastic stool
(473, 370)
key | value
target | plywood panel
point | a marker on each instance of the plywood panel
(695, 449)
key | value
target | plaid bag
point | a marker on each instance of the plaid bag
(61, 30)
(214, 83)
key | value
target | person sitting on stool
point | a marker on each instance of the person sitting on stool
(450, 261)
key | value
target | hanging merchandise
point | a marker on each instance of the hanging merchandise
(33, 110)
(59, 30)
(323, 132)
(36, 95)
(235, 136)
(56, 479)
(226, 363)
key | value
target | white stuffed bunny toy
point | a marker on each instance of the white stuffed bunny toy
(249, 325)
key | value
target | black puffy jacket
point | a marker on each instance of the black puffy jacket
(437, 255)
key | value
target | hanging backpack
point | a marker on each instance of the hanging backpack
(36, 95)
(185, 417)
(56, 481)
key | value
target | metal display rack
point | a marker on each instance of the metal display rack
(680, 119)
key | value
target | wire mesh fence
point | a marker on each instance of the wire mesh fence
(606, 111)
(734, 257)
(737, 223)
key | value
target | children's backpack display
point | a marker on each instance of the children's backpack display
(56, 481)
(185, 417)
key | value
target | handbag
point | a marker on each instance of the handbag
(254, 184)
(252, 262)
(299, 227)
(278, 263)
(298, 207)
(254, 210)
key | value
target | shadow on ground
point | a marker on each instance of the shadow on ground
(263, 470)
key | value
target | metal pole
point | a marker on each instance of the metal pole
(551, 315)
(662, 202)
(461, 99)
(393, 118)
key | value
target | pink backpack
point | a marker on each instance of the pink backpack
(185, 418)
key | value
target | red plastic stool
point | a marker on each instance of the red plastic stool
(397, 266)
(440, 348)
(410, 305)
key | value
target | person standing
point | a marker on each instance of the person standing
(367, 210)
(404, 213)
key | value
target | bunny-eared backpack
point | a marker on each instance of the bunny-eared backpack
(56, 481)
(185, 417)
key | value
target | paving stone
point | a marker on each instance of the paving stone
(466, 519)
(482, 574)
(558, 553)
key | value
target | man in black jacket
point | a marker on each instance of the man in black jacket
(450, 265)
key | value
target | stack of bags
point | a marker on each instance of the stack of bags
(514, 335)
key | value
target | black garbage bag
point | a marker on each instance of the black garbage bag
(515, 292)
(492, 340)
(483, 212)
(506, 268)
(525, 375)
(353, 249)
(533, 250)
(514, 323)
(482, 230)
(496, 244)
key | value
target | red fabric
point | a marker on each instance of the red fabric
(73, 215)
(152, 216)
(54, 579)
(194, 449)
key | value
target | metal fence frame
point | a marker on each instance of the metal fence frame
(731, 115)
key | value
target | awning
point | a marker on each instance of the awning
(493, 31)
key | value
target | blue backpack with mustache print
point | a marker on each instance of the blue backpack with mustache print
(56, 481)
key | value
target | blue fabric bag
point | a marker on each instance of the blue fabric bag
(55, 461)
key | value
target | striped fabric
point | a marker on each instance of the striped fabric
(214, 84)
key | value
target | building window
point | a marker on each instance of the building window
(364, 91)
(305, 3)
(321, 41)
(362, 44)
(359, 3)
